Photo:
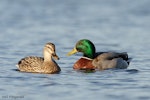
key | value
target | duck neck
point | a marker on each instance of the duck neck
(47, 56)
(89, 53)
(89, 50)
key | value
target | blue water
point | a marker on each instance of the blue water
(118, 25)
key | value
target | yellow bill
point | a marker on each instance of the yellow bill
(73, 51)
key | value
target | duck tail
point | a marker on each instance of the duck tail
(129, 60)
(17, 66)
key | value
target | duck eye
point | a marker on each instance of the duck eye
(78, 49)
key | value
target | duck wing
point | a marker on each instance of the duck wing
(111, 55)
(31, 63)
(107, 60)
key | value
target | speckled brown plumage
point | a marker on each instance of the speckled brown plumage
(39, 64)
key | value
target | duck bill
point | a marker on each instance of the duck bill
(55, 56)
(73, 51)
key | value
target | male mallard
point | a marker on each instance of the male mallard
(100, 60)
(40, 64)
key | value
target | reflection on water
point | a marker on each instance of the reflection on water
(26, 25)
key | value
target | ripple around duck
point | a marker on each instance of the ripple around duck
(15, 70)
(28, 24)
(49, 84)
(132, 71)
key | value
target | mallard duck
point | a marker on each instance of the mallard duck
(99, 60)
(39, 64)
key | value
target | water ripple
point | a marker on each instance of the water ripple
(28, 24)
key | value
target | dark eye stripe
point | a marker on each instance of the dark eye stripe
(52, 49)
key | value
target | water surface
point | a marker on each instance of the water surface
(118, 25)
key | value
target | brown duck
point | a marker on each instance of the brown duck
(39, 64)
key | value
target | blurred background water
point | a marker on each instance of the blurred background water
(118, 25)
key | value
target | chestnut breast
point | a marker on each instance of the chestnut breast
(83, 63)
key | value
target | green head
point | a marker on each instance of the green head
(86, 47)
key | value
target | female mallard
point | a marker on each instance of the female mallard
(40, 64)
(100, 60)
